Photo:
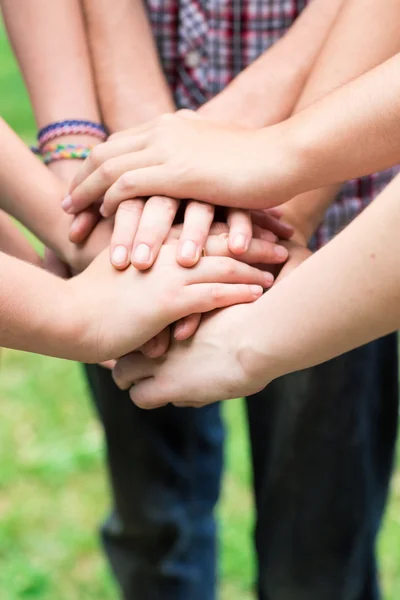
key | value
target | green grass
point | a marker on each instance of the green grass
(53, 490)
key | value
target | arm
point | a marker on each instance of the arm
(352, 295)
(77, 319)
(132, 89)
(349, 133)
(56, 67)
(13, 241)
(131, 85)
(268, 90)
(363, 36)
(35, 201)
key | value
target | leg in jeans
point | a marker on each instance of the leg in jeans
(323, 446)
(165, 470)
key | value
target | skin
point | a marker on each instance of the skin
(239, 350)
(140, 228)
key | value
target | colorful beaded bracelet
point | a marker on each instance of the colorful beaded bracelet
(69, 127)
(54, 152)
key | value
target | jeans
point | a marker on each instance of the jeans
(322, 454)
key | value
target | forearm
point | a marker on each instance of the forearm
(348, 52)
(130, 82)
(35, 201)
(14, 243)
(267, 91)
(351, 295)
(37, 311)
(49, 41)
(354, 131)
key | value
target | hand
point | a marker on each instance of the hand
(122, 310)
(262, 251)
(205, 369)
(225, 165)
(79, 257)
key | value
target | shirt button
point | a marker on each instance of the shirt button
(193, 59)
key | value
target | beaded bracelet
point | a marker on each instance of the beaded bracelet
(68, 127)
(54, 152)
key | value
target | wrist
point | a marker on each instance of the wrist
(126, 118)
(281, 163)
(303, 231)
(258, 365)
(81, 335)
(62, 326)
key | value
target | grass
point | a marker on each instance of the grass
(53, 491)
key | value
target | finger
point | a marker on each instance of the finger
(225, 270)
(267, 221)
(159, 179)
(259, 251)
(216, 228)
(186, 113)
(155, 224)
(276, 212)
(196, 226)
(186, 327)
(108, 364)
(240, 230)
(101, 153)
(127, 220)
(131, 368)
(204, 297)
(157, 346)
(264, 234)
(101, 179)
(83, 225)
(136, 131)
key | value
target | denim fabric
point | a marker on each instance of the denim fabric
(323, 445)
(165, 469)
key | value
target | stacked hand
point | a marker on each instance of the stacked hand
(129, 307)
(142, 227)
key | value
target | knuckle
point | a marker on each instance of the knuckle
(166, 118)
(96, 156)
(228, 266)
(216, 292)
(126, 182)
(168, 206)
(107, 170)
(131, 206)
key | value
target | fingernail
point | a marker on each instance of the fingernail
(178, 330)
(119, 256)
(150, 347)
(142, 254)
(268, 280)
(74, 226)
(102, 210)
(66, 203)
(239, 242)
(256, 290)
(188, 250)
(280, 251)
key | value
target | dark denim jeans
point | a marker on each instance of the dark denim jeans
(322, 449)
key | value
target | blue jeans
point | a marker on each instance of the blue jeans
(322, 453)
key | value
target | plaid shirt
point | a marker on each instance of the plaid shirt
(204, 44)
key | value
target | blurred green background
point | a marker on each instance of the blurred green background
(53, 488)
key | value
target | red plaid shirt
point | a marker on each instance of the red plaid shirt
(204, 44)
